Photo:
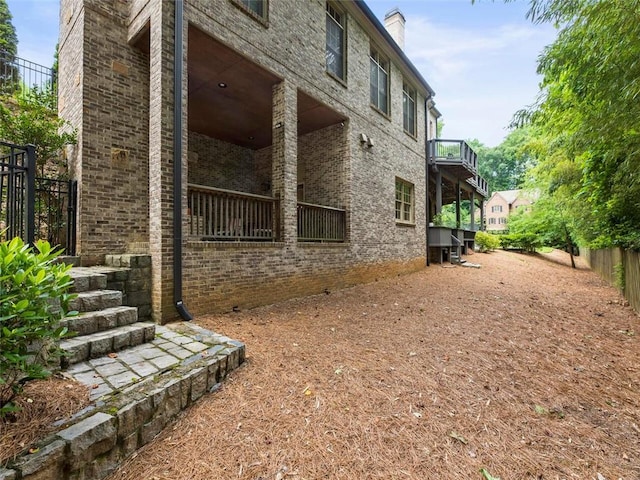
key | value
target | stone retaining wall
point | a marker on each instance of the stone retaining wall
(98, 440)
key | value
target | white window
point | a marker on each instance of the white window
(335, 49)
(496, 208)
(492, 221)
(409, 109)
(502, 220)
(379, 82)
(405, 201)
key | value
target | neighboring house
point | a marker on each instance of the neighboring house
(501, 205)
(290, 159)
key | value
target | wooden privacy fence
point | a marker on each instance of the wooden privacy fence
(614, 264)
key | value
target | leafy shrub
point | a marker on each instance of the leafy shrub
(33, 300)
(527, 242)
(486, 242)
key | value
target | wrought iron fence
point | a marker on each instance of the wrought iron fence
(22, 77)
(35, 208)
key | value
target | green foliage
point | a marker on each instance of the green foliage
(619, 275)
(31, 118)
(33, 300)
(526, 242)
(587, 118)
(9, 74)
(505, 166)
(487, 242)
(8, 36)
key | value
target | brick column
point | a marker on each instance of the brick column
(161, 159)
(285, 158)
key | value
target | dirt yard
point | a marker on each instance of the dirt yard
(525, 368)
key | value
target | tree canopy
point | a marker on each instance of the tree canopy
(8, 36)
(586, 137)
(505, 166)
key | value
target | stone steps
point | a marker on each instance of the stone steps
(91, 322)
(94, 300)
(103, 326)
(94, 345)
(157, 372)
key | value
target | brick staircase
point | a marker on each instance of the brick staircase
(104, 325)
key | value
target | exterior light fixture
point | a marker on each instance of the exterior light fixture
(222, 85)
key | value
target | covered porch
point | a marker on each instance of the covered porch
(453, 182)
(242, 123)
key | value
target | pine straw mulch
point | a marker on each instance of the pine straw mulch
(42, 403)
(524, 367)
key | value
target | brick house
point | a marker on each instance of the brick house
(502, 204)
(295, 144)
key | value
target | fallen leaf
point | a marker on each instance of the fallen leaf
(33, 450)
(112, 355)
(458, 437)
(540, 410)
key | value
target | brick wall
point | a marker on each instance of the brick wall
(322, 156)
(104, 93)
(249, 275)
(125, 153)
(219, 164)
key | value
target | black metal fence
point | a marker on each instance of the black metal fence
(22, 77)
(35, 208)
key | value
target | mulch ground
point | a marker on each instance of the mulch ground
(525, 368)
(42, 403)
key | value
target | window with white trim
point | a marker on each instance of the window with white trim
(335, 47)
(409, 109)
(496, 208)
(379, 81)
(405, 201)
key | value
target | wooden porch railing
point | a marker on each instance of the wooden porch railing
(217, 214)
(452, 153)
(317, 223)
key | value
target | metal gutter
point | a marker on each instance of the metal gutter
(427, 168)
(177, 161)
(392, 43)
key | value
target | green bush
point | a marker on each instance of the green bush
(527, 242)
(486, 242)
(33, 300)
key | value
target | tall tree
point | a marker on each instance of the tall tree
(588, 113)
(504, 166)
(9, 76)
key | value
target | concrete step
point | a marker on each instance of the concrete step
(98, 344)
(91, 322)
(85, 279)
(94, 300)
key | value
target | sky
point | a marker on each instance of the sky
(480, 59)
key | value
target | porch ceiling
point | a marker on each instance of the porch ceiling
(241, 112)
